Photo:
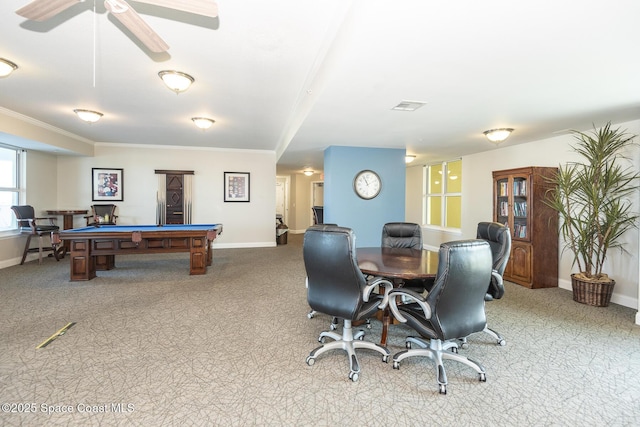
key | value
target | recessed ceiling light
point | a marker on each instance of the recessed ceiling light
(408, 105)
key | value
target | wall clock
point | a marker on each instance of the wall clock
(367, 184)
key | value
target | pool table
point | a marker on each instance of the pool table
(94, 248)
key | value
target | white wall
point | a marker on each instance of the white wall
(477, 204)
(64, 182)
(245, 224)
(41, 193)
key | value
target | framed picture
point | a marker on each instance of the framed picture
(236, 186)
(106, 185)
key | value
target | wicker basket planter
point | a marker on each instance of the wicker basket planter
(597, 294)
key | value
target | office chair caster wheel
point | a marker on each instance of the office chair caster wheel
(353, 376)
(385, 358)
(454, 350)
(443, 389)
(408, 345)
(464, 345)
(368, 324)
(310, 360)
(333, 327)
(310, 315)
(321, 340)
(501, 342)
(396, 365)
(483, 378)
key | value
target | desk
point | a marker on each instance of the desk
(67, 220)
(396, 264)
(94, 248)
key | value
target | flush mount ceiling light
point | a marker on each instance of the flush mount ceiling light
(497, 135)
(409, 158)
(6, 67)
(308, 172)
(88, 116)
(202, 122)
(177, 81)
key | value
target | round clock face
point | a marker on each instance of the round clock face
(367, 184)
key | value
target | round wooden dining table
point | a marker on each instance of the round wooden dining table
(397, 265)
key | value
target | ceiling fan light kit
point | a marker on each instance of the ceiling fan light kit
(88, 116)
(177, 81)
(497, 135)
(6, 67)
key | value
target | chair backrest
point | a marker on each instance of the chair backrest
(24, 212)
(103, 210)
(499, 238)
(457, 297)
(318, 214)
(401, 235)
(335, 282)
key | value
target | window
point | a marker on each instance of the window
(9, 186)
(443, 203)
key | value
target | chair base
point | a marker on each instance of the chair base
(349, 343)
(437, 350)
(499, 340)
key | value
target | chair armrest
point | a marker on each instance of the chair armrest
(496, 287)
(371, 284)
(51, 220)
(408, 296)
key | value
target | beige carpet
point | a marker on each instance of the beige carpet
(153, 346)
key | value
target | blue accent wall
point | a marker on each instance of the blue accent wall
(341, 204)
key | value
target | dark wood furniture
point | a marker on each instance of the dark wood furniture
(102, 215)
(32, 226)
(398, 264)
(94, 248)
(518, 202)
(67, 222)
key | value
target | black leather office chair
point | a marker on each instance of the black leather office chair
(454, 308)
(102, 215)
(29, 225)
(405, 235)
(337, 287)
(499, 239)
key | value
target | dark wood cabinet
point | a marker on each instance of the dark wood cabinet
(518, 202)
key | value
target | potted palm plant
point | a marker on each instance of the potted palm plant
(592, 200)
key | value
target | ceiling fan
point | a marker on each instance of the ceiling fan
(41, 10)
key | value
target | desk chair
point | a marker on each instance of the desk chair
(338, 288)
(499, 239)
(102, 215)
(405, 235)
(28, 224)
(454, 308)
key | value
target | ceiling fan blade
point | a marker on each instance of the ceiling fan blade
(124, 13)
(41, 10)
(199, 7)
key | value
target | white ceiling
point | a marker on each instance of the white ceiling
(297, 76)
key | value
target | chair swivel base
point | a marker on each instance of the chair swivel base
(499, 340)
(436, 350)
(349, 343)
